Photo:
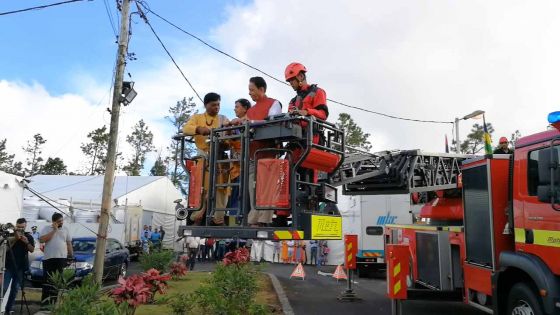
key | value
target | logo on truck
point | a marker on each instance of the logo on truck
(386, 219)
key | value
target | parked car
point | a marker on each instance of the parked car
(116, 263)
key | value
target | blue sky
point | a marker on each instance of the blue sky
(52, 45)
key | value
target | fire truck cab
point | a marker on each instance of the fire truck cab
(502, 256)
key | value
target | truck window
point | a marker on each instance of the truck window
(374, 230)
(533, 172)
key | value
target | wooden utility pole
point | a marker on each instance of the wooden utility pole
(106, 202)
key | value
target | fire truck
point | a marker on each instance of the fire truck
(294, 159)
(489, 231)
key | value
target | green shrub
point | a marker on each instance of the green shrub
(159, 260)
(181, 303)
(85, 299)
(231, 290)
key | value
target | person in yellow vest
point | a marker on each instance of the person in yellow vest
(200, 126)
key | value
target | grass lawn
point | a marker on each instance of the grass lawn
(266, 294)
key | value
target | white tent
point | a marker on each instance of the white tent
(11, 198)
(155, 194)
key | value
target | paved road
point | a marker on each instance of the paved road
(318, 295)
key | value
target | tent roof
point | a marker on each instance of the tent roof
(86, 188)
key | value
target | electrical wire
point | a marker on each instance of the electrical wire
(110, 17)
(40, 7)
(58, 209)
(144, 5)
(69, 185)
(145, 18)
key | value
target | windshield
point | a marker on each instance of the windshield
(83, 246)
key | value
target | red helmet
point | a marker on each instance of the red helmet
(294, 69)
(503, 140)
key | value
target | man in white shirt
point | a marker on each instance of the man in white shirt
(192, 244)
(58, 249)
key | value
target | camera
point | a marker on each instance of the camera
(7, 229)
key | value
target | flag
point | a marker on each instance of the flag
(446, 145)
(487, 139)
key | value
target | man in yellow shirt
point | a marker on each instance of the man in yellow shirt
(200, 126)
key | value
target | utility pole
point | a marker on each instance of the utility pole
(106, 202)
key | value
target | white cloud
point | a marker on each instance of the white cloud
(430, 60)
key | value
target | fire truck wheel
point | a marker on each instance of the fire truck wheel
(523, 301)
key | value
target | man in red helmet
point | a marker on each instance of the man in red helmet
(310, 100)
(503, 147)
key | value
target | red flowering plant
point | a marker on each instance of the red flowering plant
(155, 282)
(133, 291)
(178, 269)
(237, 257)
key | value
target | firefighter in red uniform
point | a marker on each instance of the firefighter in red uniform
(310, 100)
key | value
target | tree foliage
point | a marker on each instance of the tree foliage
(354, 135)
(96, 150)
(141, 140)
(475, 139)
(178, 116)
(159, 168)
(34, 151)
(54, 167)
(6, 159)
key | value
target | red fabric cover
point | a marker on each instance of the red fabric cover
(196, 173)
(273, 183)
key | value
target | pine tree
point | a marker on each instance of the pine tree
(475, 139)
(179, 115)
(34, 151)
(54, 167)
(354, 135)
(96, 150)
(141, 140)
(6, 159)
(159, 168)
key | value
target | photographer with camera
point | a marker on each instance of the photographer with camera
(58, 250)
(17, 261)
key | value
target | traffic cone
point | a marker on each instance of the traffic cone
(298, 272)
(339, 273)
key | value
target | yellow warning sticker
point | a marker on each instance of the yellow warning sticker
(324, 227)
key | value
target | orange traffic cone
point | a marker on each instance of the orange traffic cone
(339, 273)
(298, 272)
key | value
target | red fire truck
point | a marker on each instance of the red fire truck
(489, 232)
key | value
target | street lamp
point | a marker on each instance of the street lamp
(469, 116)
(128, 92)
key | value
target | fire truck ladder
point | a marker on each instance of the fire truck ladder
(398, 172)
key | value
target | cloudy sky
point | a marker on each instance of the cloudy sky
(431, 60)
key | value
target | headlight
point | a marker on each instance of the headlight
(37, 264)
(80, 265)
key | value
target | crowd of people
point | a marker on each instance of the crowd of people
(199, 249)
(151, 239)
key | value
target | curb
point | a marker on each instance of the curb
(286, 307)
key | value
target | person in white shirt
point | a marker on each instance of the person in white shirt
(58, 250)
(192, 244)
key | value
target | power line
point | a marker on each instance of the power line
(76, 183)
(110, 17)
(145, 18)
(143, 4)
(40, 7)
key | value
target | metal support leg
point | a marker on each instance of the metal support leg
(349, 295)
(396, 307)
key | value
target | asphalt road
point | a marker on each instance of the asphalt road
(317, 294)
